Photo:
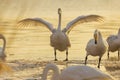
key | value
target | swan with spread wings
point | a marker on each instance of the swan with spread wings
(59, 39)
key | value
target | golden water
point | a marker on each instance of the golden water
(33, 43)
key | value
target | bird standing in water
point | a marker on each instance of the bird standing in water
(59, 39)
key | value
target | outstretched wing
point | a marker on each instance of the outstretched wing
(82, 19)
(36, 21)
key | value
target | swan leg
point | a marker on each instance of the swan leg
(118, 54)
(55, 55)
(108, 54)
(86, 59)
(66, 55)
(99, 62)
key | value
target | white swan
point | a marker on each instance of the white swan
(75, 73)
(2, 49)
(59, 40)
(114, 43)
(96, 46)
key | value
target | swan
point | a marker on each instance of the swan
(59, 39)
(2, 49)
(114, 43)
(75, 73)
(96, 46)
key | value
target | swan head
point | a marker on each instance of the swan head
(59, 11)
(97, 36)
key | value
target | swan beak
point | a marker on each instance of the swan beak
(95, 37)
(95, 42)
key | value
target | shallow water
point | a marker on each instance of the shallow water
(28, 49)
(23, 43)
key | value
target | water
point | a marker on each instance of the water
(34, 42)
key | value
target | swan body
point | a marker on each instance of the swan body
(2, 49)
(59, 39)
(96, 46)
(75, 73)
(114, 43)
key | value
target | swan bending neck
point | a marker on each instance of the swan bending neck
(55, 70)
(4, 42)
(119, 33)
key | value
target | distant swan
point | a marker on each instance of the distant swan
(59, 40)
(114, 43)
(96, 46)
(2, 49)
(75, 73)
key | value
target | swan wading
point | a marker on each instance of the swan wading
(96, 46)
(2, 49)
(75, 73)
(114, 43)
(59, 40)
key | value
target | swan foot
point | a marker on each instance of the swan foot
(98, 66)
(55, 59)
(66, 60)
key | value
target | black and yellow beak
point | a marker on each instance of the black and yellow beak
(95, 37)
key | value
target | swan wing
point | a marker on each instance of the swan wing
(84, 73)
(111, 38)
(113, 43)
(82, 19)
(90, 45)
(35, 22)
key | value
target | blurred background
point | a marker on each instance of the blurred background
(15, 9)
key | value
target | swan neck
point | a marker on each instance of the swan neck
(4, 42)
(59, 22)
(98, 38)
(55, 72)
(119, 33)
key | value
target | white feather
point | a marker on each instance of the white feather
(114, 42)
(59, 40)
(75, 73)
(96, 49)
(2, 49)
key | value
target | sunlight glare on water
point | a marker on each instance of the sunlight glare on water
(35, 41)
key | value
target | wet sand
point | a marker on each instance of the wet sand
(32, 70)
